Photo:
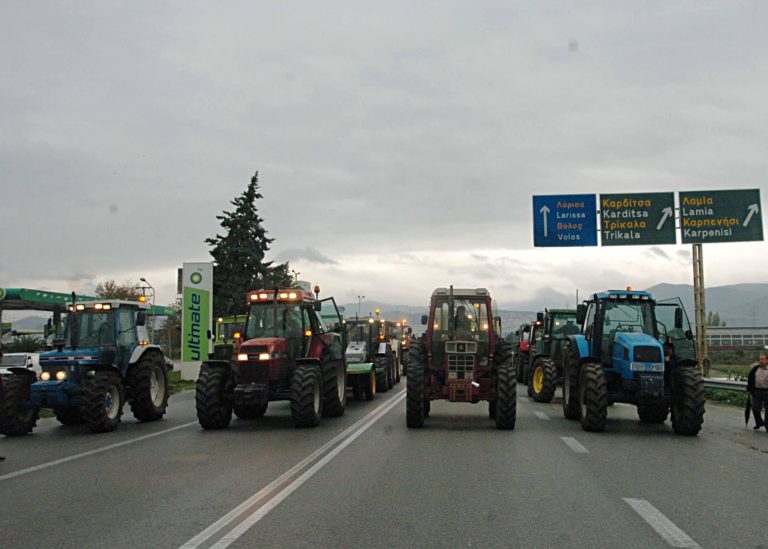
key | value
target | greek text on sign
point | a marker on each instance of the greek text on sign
(564, 220)
(720, 216)
(638, 218)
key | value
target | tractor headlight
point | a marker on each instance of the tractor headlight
(61, 375)
(45, 376)
(264, 356)
(242, 357)
(658, 367)
(637, 367)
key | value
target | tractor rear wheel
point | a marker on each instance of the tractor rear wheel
(593, 397)
(390, 369)
(492, 409)
(148, 380)
(370, 387)
(214, 410)
(427, 407)
(104, 398)
(254, 411)
(506, 405)
(70, 415)
(306, 395)
(382, 373)
(15, 418)
(543, 379)
(652, 412)
(334, 387)
(415, 404)
(688, 402)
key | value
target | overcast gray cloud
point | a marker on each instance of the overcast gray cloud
(409, 131)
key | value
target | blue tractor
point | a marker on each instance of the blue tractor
(103, 360)
(636, 350)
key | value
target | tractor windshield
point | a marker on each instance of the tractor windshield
(286, 321)
(90, 328)
(628, 316)
(563, 325)
(358, 331)
(467, 320)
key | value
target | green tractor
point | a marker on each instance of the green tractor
(545, 364)
(369, 356)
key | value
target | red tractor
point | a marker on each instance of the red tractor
(461, 358)
(288, 350)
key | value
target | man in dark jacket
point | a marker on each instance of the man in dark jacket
(757, 386)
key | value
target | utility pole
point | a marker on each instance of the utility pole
(359, 301)
(700, 308)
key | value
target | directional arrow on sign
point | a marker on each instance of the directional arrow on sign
(544, 211)
(753, 209)
(667, 214)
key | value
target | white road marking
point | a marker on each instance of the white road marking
(59, 461)
(353, 432)
(525, 399)
(663, 526)
(574, 445)
(541, 415)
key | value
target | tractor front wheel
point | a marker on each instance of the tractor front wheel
(370, 387)
(570, 389)
(688, 402)
(506, 405)
(104, 398)
(415, 407)
(334, 388)
(15, 418)
(358, 387)
(543, 380)
(148, 380)
(593, 397)
(306, 395)
(214, 410)
(382, 373)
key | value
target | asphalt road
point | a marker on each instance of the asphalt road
(365, 480)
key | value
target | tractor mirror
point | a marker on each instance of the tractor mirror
(540, 317)
(317, 305)
(210, 334)
(678, 318)
(424, 319)
(689, 334)
(581, 313)
(141, 318)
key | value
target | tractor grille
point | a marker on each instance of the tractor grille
(461, 366)
(647, 353)
(253, 370)
(253, 351)
(651, 385)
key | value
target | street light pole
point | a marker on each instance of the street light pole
(359, 300)
(295, 275)
(152, 315)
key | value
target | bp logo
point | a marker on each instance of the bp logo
(196, 278)
(2, 294)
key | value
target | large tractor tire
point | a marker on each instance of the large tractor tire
(70, 415)
(415, 407)
(214, 409)
(390, 368)
(104, 397)
(427, 407)
(334, 388)
(15, 418)
(543, 380)
(570, 388)
(688, 402)
(148, 380)
(370, 385)
(307, 395)
(358, 387)
(254, 411)
(652, 412)
(506, 388)
(382, 373)
(492, 406)
(593, 397)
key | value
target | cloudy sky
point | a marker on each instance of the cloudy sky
(398, 145)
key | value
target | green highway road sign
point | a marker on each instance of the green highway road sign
(720, 216)
(637, 218)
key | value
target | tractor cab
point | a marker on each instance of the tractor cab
(361, 334)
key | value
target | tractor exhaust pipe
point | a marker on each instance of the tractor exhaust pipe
(74, 324)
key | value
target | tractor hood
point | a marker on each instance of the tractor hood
(266, 344)
(632, 339)
(356, 352)
(642, 347)
(83, 355)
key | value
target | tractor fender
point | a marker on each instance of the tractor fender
(16, 370)
(382, 348)
(216, 363)
(310, 360)
(579, 345)
(140, 350)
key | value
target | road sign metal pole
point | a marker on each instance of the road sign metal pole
(700, 308)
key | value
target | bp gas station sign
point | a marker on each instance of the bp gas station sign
(197, 313)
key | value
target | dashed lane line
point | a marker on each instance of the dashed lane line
(95, 451)
(342, 440)
(541, 415)
(673, 535)
(574, 445)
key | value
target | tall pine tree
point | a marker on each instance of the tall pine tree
(239, 264)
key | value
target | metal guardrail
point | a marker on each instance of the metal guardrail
(725, 384)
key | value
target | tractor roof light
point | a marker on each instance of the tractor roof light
(142, 299)
(79, 307)
(236, 335)
(308, 333)
(254, 297)
(370, 321)
(143, 342)
(263, 296)
(219, 319)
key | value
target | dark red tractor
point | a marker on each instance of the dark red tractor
(290, 348)
(461, 358)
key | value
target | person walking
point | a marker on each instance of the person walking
(757, 387)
